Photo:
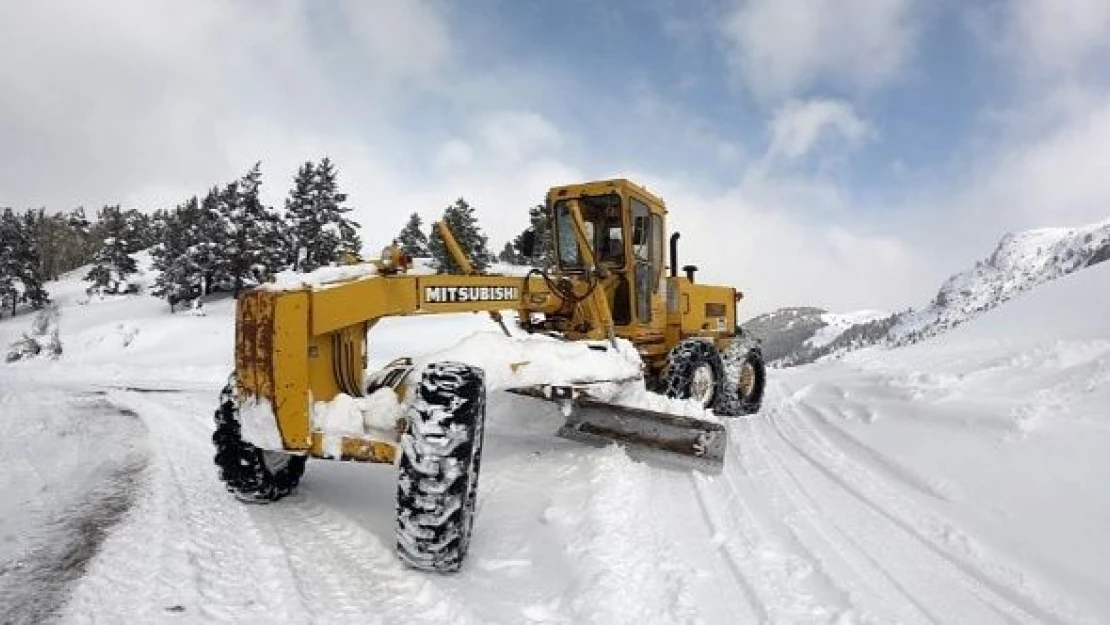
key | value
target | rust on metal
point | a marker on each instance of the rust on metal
(254, 349)
(357, 449)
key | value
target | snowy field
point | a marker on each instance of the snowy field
(960, 480)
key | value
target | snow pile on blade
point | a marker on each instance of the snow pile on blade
(614, 374)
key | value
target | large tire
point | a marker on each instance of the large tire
(250, 473)
(441, 453)
(694, 370)
(745, 366)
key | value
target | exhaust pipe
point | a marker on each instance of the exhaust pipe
(674, 254)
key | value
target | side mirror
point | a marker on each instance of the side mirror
(527, 243)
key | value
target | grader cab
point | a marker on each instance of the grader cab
(301, 353)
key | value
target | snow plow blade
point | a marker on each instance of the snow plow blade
(655, 437)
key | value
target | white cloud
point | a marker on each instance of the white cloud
(798, 126)
(455, 155)
(1056, 178)
(514, 135)
(103, 104)
(403, 38)
(790, 242)
(782, 48)
(1047, 38)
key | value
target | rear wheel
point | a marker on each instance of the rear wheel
(746, 367)
(441, 454)
(250, 473)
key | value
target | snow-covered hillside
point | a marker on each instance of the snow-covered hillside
(958, 480)
(1021, 261)
(837, 323)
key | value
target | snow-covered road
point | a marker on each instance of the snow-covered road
(808, 524)
(961, 480)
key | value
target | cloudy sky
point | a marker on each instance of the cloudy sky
(843, 153)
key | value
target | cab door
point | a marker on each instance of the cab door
(642, 269)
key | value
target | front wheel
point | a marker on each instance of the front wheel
(441, 452)
(250, 473)
(695, 371)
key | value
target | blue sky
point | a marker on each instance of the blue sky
(848, 153)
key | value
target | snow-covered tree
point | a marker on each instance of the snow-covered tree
(112, 263)
(460, 218)
(301, 227)
(10, 241)
(176, 256)
(319, 231)
(30, 259)
(252, 251)
(21, 268)
(210, 243)
(412, 239)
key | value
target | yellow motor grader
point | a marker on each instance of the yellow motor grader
(303, 345)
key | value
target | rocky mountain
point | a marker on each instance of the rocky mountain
(1021, 261)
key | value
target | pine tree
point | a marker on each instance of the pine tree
(253, 245)
(20, 264)
(298, 213)
(509, 255)
(140, 235)
(209, 245)
(412, 239)
(30, 261)
(9, 264)
(543, 248)
(112, 263)
(80, 245)
(319, 231)
(181, 278)
(460, 218)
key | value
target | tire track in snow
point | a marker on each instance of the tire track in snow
(784, 583)
(898, 555)
(715, 525)
(188, 549)
(350, 570)
(1005, 589)
(298, 561)
(857, 448)
(868, 585)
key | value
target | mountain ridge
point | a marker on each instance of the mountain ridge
(1019, 262)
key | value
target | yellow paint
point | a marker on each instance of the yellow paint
(291, 366)
(453, 248)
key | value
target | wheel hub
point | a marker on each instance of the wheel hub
(275, 461)
(747, 380)
(702, 385)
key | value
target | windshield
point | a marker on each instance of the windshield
(601, 216)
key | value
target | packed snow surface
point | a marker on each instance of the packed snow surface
(960, 480)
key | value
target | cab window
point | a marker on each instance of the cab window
(601, 217)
